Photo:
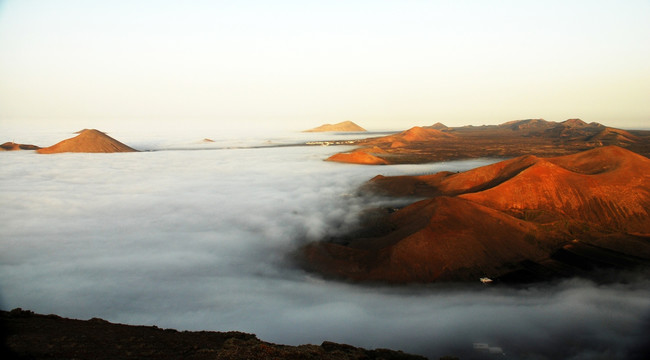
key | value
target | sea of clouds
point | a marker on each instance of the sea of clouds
(198, 240)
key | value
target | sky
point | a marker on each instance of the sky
(298, 64)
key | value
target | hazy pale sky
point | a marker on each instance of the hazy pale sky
(298, 64)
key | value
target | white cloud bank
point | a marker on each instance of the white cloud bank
(197, 240)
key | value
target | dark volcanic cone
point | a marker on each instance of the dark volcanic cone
(12, 146)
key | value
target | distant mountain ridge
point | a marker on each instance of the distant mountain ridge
(514, 138)
(342, 126)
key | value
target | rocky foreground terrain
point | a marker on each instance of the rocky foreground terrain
(31, 336)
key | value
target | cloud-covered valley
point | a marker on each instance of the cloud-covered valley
(198, 240)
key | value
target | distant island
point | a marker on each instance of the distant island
(342, 126)
(88, 141)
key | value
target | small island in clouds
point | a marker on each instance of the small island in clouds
(88, 141)
(345, 126)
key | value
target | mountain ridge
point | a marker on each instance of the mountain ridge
(510, 139)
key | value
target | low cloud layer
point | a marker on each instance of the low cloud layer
(197, 240)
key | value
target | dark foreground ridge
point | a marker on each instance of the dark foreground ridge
(28, 335)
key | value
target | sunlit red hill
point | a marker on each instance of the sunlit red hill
(358, 157)
(608, 187)
(371, 153)
(413, 134)
(88, 141)
(490, 220)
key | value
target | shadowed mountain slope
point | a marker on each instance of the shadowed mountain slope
(488, 220)
(88, 141)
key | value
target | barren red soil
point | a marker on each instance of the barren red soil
(490, 220)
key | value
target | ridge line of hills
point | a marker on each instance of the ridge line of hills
(514, 138)
(437, 142)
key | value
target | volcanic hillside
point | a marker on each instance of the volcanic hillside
(342, 126)
(88, 141)
(371, 153)
(358, 157)
(414, 134)
(490, 220)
